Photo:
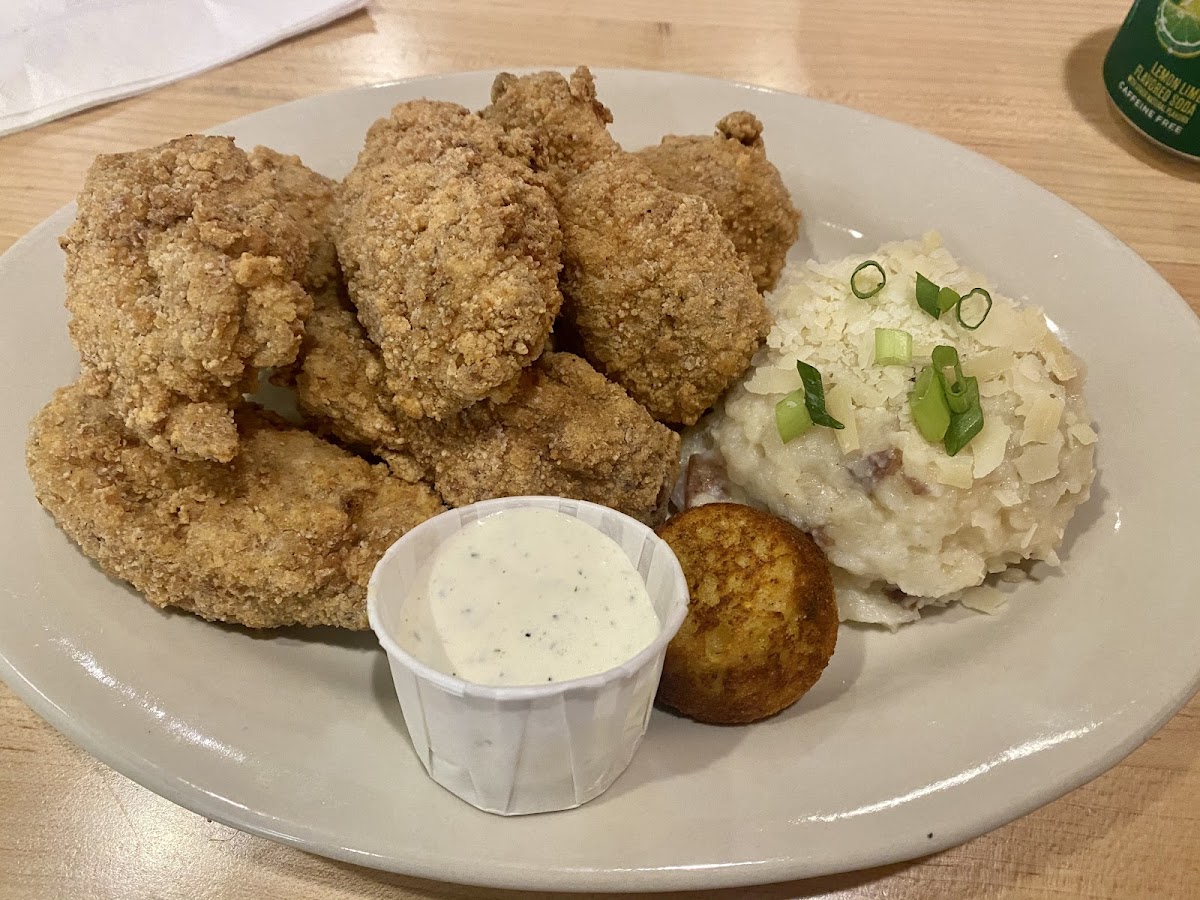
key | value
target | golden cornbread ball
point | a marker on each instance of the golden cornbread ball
(762, 621)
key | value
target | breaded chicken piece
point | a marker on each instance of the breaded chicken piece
(182, 270)
(565, 430)
(450, 247)
(341, 389)
(661, 301)
(571, 124)
(762, 620)
(285, 535)
(731, 171)
(311, 200)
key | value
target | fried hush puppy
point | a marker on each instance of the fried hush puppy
(286, 534)
(569, 124)
(450, 247)
(181, 275)
(563, 430)
(762, 621)
(661, 301)
(731, 171)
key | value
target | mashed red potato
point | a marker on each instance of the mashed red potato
(904, 523)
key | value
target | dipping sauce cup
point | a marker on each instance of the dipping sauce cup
(516, 749)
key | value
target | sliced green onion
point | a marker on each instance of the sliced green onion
(963, 392)
(927, 296)
(928, 404)
(947, 299)
(983, 318)
(961, 397)
(791, 416)
(867, 294)
(934, 299)
(814, 396)
(963, 427)
(893, 347)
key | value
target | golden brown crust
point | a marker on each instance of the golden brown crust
(566, 431)
(662, 303)
(310, 199)
(563, 430)
(182, 270)
(762, 621)
(731, 171)
(569, 123)
(450, 248)
(287, 534)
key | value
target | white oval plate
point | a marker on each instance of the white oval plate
(910, 743)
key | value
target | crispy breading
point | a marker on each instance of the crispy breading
(310, 199)
(424, 130)
(450, 247)
(341, 389)
(731, 171)
(564, 430)
(762, 620)
(182, 271)
(661, 301)
(570, 124)
(287, 534)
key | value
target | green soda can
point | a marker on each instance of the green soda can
(1152, 72)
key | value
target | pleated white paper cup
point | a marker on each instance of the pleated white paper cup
(513, 750)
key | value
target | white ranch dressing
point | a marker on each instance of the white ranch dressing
(528, 596)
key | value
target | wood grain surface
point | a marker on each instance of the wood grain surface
(1018, 80)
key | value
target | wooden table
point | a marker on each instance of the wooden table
(1017, 80)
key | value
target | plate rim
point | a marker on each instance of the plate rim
(178, 790)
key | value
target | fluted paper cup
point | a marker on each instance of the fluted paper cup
(526, 749)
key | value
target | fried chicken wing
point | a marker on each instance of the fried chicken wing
(182, 271)
(287, 534)
(450, 246)
(731, 171)
(571, 123)
(564, 430)
(659, 297)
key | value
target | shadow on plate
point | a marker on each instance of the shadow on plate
(676, 746)
(383, 691)
(1090, 515)
(296, 634)
(839, 676)
(1085, 87)
(692, 746)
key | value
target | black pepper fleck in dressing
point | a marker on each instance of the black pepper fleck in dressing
(551, 596)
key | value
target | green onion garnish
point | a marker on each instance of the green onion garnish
(983, 318)
(961, 397)
(927, 296)
(814, 396)
(963, 427)
(933, 299)
(937, 300)
(947, 299)
(893, 347)
(791, 416)
(867, 294)
(928, 404)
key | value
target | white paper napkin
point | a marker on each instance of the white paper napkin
(61, 56)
